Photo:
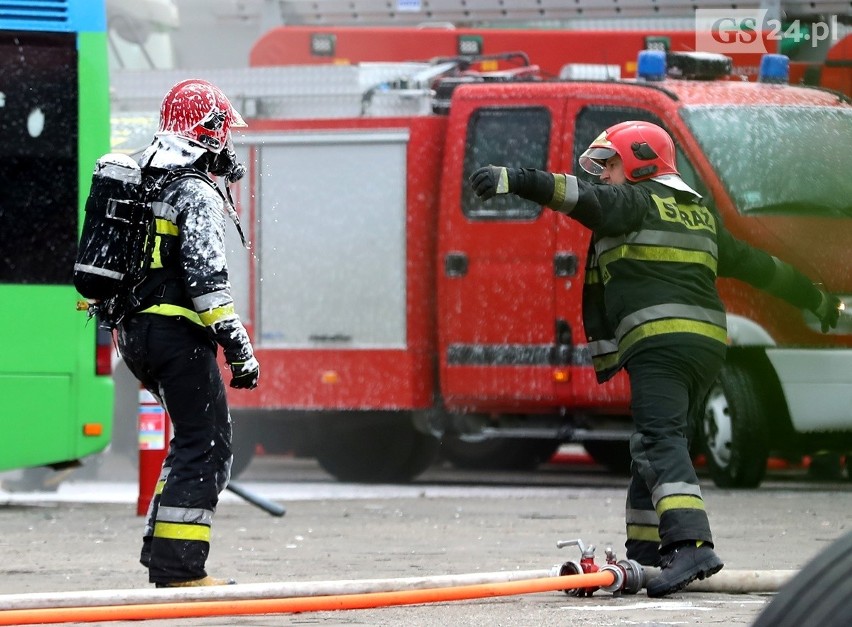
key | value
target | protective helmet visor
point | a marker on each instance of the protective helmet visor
(594, 159)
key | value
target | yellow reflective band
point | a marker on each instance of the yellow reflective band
(679, 501)
(156, 259)
(212, 316)
(593, 276)
(646, 533)
(164, 227)
(658, 253)
(605, 362)
(503, 182)
(672, 325)
(158, 489)
(174, 310)
(176, 531)
(558, 191)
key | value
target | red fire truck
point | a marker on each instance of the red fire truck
(390, 307)
(614, 50)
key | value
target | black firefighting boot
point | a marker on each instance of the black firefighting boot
(683, 565)
(197, 583)
(644, 552)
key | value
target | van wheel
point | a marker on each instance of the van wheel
(381, 447)
(497, 453)
(733, 430)
(820, 594)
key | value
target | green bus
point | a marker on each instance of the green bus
(56, 386)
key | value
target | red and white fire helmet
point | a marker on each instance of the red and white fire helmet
(646, 150)
(198, 111)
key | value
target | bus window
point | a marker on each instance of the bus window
(54, 124)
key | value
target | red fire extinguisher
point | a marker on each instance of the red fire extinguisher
(154, 429)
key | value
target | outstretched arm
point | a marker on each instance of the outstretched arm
(605, 209)
(756, 267)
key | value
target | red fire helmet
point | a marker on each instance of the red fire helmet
(645, 149)
(200, 112)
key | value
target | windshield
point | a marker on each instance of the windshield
(779, 160)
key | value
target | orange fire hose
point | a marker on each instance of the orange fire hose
(159, 611)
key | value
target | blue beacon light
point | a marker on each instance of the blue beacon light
(651, 65)
(774, 68)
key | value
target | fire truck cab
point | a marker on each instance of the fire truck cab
(768, 157)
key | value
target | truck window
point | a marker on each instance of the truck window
(788, 160)
(591, 122)
(514, 137)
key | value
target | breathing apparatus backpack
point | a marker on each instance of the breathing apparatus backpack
(118, 236)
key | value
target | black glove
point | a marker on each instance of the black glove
(828, 310)
(244, 374)
(491, 180)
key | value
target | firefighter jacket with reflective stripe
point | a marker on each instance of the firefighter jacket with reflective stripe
(189, 261)
(651, 278)
(652, 265)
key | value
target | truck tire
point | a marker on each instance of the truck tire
(497, 453)
(733, 430)
(374, 448)
(243, 448)
(614, 455)
(821, 594)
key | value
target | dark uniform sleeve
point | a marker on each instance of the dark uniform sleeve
(605, 209)
(756, 267)
(618, 209)
(205, 269)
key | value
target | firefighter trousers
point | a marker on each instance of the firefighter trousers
(176, 361)
(669, 385)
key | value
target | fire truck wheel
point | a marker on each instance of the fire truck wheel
(381, 447)
(820, 594)
(614, 455)
(497, 453)
(243, 447)
(733, 430)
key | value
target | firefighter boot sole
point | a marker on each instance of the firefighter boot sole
(683, 566)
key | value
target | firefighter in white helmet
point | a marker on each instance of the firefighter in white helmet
(169, 341)
(650, 306)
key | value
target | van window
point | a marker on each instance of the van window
(513, 137)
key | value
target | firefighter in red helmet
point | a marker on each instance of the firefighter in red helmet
(650, 306)
(184, 313)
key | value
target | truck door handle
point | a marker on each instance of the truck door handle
(565, 264)
(563, 332)
(455, 264)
